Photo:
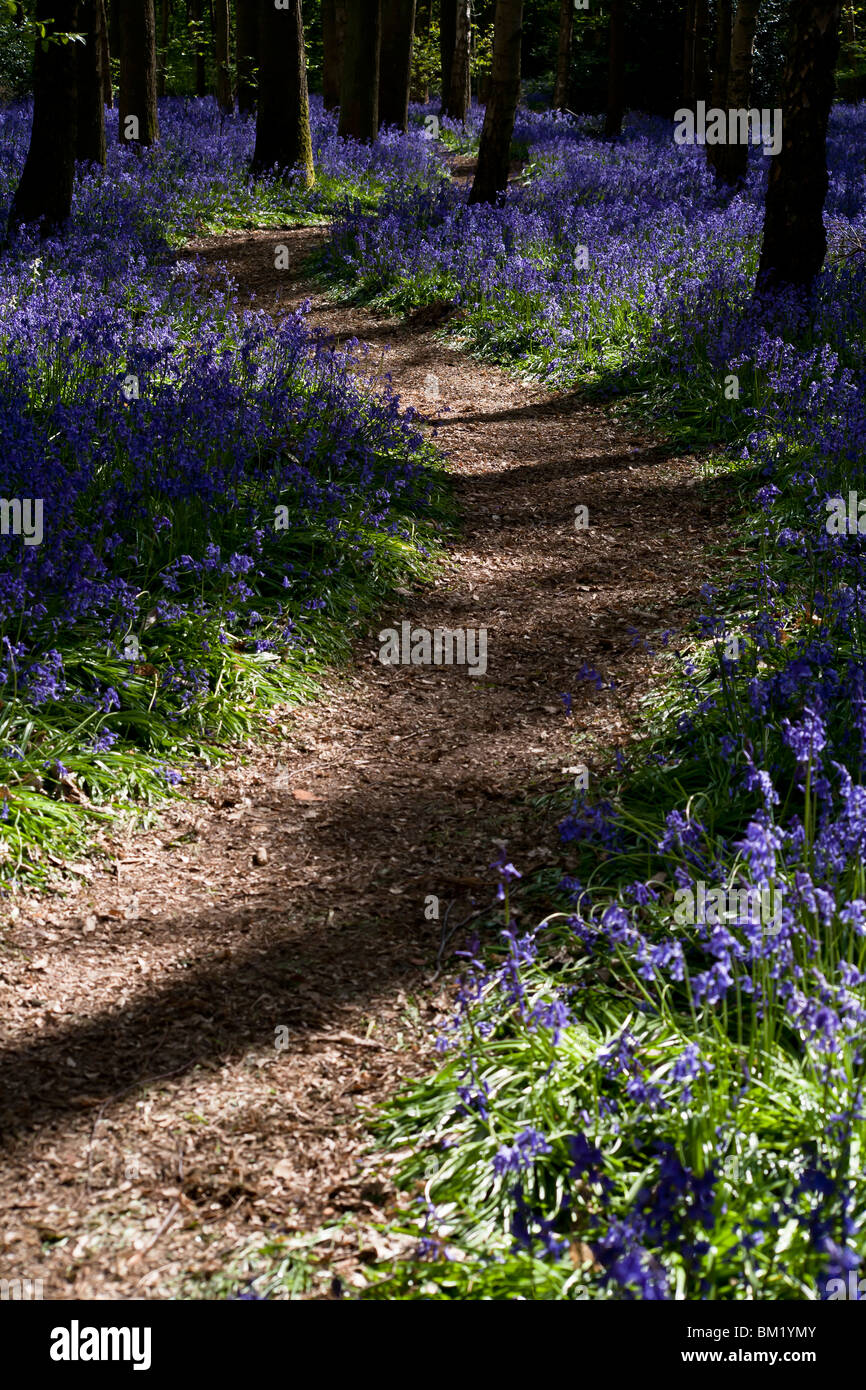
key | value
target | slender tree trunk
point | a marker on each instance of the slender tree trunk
(732, 160)
(162, 46)
(113, 12)
(395, 62)
(423, 19)
(163, 15)
(222, 27)
(137, 121)
(563, 54)
(491, 175)
(105, 60)
(194, 10)
(722, 58)
(330, 56)
(721, 66)
(45, 190)
(616, 70)
(850, 26)
(690, 43)
(459, 89)
(795, 240)
(200, 60)
(283, 122)
(247, 43)
(359, 83)
(447, 39)
(90, 119)
(702, 29)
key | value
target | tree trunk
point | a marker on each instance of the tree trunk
(616, 70)
(459, 91)
(563, 54)
(690, 44)
(113, 11)
(247, 44)
(423, 19)
(283, 121)
(795, 241)
(732, 160)
(45, 190)
(330, 56)
(137, 119)
(702, 29)
(359, 82)
(223, 71)
(395, 62)
(90, 117)
(162, 50)
(194, 10)
(105, 61)
(447, 39)
(494, 151)
(721, 66)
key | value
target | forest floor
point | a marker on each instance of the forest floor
(152, 1128)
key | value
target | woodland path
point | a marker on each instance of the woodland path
(150, 1130)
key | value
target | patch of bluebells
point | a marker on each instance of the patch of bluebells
(519, 1156)
(159, 504)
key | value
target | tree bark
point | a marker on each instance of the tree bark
(137, 100)
(113, 11)
(563, 54)
(90, 117)
(359, 82)
(459, 89)
(702, 29)
(491, 175)
(283, 121)
(395, 62)
(795, 240)
(247, 44)
(194, 10)
(616, 70)
(721, 66)
(423, 19)
(330, 56)
(447, 39)
(162, 49)
(690, 44)
(105, 61)
(44, 193)
(732, 160)
(222, 27)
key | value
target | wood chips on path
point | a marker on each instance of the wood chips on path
(152, 1131)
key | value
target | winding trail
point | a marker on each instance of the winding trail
(152, 1130)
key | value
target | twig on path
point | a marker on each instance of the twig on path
(351, 1038)
(163, 1226)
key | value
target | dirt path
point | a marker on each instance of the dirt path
(152, 1130)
